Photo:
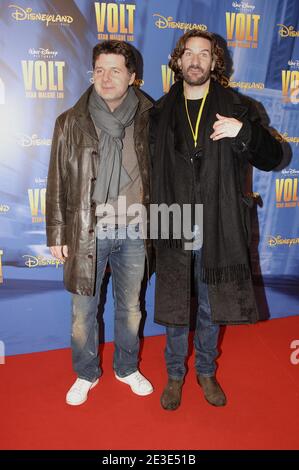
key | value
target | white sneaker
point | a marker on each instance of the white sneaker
(78, 392)
(139, 384)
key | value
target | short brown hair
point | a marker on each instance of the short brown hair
(217, 54)
(115, 47)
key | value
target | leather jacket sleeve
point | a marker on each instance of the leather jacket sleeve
(57, 190)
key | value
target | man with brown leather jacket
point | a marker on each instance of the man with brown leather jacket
(205, 139)
(99, 167)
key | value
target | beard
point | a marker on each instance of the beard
(205, 75)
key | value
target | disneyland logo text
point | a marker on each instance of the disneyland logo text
(163, 23)
(278, 240)
(32, 141)
(174, 222)
(286, 31)
(27, 15)
(34, 261)
(1, 269)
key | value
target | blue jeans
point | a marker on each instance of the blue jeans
(126, 258)
(205, 336)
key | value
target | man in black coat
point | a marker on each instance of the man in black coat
(205, 137)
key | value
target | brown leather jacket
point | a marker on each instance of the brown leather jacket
(70, 211)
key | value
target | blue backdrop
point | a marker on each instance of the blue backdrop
(46, 65)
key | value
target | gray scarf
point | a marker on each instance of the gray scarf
(112, 176)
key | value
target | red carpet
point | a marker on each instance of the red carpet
(261, 384)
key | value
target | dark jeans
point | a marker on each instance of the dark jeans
(205, 336)
(126, 258)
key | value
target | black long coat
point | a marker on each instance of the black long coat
(233, 302)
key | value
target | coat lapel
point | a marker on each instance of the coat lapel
(82, 115)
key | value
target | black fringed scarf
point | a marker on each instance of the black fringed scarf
(225, 253)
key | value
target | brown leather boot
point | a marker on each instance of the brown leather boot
(171, 396)
(212, 390)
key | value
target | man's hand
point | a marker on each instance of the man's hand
(225, 127)
(60, 252)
